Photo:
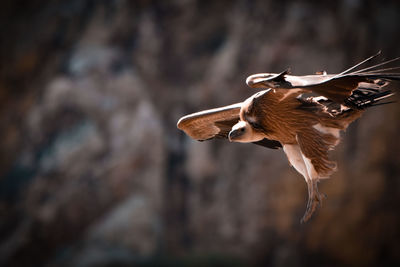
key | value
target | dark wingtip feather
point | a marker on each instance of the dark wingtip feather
(364, 98)
(373, 70)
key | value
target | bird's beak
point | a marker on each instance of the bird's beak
(234, 134)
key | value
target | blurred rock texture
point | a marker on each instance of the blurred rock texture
(95, 173)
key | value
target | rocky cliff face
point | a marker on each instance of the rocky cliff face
(95, 173)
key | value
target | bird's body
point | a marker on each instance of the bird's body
(305, 127)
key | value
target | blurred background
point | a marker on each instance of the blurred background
(94, 172)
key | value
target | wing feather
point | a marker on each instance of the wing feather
(336, 87)
(211, 123)
(216, 123)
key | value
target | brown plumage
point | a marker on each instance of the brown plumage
(305, 127)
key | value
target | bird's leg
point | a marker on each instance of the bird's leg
(300, 162)
(314, 199)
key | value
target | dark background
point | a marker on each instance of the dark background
(93, 171)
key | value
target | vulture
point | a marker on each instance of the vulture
(302, 115)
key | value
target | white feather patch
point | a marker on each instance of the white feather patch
(327, 130)
(310, 168)
(295, 158)
(290, 92)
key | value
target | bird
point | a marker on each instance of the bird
(302, 115)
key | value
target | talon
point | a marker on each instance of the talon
(314, 200)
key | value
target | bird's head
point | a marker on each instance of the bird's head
(249, 128)
(245, 132)
(240, 132)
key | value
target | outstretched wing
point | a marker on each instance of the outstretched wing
(216, 123)
(336, 87)
(211, 123)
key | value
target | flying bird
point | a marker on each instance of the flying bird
(303, 115)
